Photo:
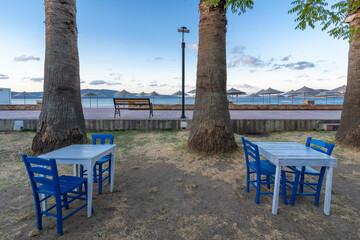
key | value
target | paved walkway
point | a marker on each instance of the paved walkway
(108, 113)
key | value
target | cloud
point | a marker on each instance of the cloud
(249, 61)
(301, 76)
(341, 77)
(177, 77)
(117, 76)
(81, 82)
(158, 59)
(193, 46)
(286, 58)
(238, 49)
(293, 66)
(108, 69)
(153, 84)
(24, 58)
(3, 76)
(37, 79)
(322, 79)
(163, 85)
(102, 82)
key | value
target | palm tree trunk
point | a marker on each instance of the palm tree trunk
(211, 129)
(349, 130)
(61, 122)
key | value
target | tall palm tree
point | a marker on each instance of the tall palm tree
(349, 130)
(61, 122)
(211, 129)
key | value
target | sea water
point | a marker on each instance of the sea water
(108, 102)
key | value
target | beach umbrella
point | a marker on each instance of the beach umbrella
(307, 91)
(340, 90)
(123, 93)
(178, 93)
(154, 94)
(291, 94)
(253, 95)
(99, 95)
(89, 94)
(269, 92)
(327, 94)
(142, 94)
(261, 93)
(24, 95)
(192, 91)
(233, 91)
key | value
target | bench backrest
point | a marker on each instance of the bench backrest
(132, 101)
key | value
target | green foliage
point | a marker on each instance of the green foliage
(239, 6)
(310, 12)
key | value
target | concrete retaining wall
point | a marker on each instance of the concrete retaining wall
(240, 126)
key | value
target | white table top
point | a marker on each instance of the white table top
(78, 151)
(293, 151)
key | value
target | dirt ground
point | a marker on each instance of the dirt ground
(163, 191)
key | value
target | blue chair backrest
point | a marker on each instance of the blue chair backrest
(103, 138)
(251, 153)
(40, 174)
(320, 145)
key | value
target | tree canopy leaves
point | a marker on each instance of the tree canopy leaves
(328, 13)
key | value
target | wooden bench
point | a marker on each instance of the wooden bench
(133, 104)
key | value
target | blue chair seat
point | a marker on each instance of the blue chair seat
(67, 184)
(305, 170)
(103, 160)
(267, 168)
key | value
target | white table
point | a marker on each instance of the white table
(86, 155)
(296, 154)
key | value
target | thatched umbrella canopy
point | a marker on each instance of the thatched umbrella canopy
(192, 91)
(142, 94)
(178, 93)
(123, 93)
(269, 92)
(24, 95)
(340, 90)
(307, 91)
(327, 94)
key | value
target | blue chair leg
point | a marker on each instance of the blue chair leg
(257, 199)
(59, 216)
(302, 180)
(268, 180)
(38, 214)
(65, 201)
(318, 188)
(100, 178)
(109, 170)
(247, 181)
(95, 174)
(283, 184)
(295, 188)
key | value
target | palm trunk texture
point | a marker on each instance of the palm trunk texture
(61, 122)
(349, 130)
(211, 129)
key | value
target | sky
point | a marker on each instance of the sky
(137, 47)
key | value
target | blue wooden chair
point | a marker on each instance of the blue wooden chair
(260, 167)
(44, 179)
(98, 168)
(300, 172)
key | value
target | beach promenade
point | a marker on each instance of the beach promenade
(247, 121)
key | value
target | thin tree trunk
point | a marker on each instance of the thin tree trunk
(61, 122)
(349, 130)
(211, 130)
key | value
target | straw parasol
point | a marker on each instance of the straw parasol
(24, 95)
(90, 94)
(327, 94)
(142, 94)
(261, 93)
(178, 93)
(269, 92)
(291, 94)
(340, 90)
(123, 93)
(253, 95)
(307, 91)
(192, 91)
(154, 94)
(233, 91)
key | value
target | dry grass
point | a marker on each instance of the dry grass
(169, 147)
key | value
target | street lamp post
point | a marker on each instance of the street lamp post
(183, 30)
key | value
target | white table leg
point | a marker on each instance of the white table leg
(76, 170)
(112, 170)
(89, 188)
(329, 175)
(276, 190)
